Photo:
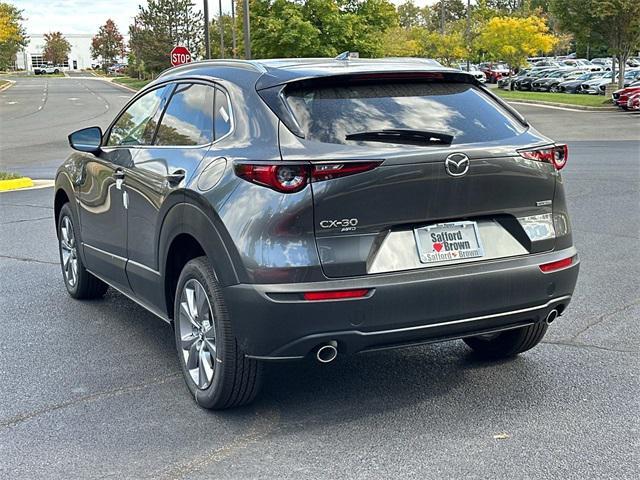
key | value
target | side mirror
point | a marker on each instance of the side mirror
(86, 140)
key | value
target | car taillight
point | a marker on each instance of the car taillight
(556, 155)
(283, 178)
(336, 294)
(291, 178)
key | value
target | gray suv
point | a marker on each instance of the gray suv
(282, 209)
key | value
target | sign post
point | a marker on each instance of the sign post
(180, 55)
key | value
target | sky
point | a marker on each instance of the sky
(82, 16)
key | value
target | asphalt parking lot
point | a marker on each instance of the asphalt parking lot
(93, 390)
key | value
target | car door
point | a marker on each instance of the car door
(159, 172)
(103, 199)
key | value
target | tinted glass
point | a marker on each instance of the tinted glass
(136, 125)
(329, 114)
(188, 119)
(222, 115)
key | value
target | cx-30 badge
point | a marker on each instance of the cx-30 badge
(456, 164)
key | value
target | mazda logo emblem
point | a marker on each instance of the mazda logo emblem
(456, 164)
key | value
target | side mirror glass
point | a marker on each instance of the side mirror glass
(86, 140)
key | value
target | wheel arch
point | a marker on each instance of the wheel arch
(188, 231)
(64, 193)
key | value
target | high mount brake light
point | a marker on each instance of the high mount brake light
(291, 178)
(556, 155)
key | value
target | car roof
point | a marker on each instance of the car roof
(272, 72)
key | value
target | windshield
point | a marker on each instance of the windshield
(330, 114)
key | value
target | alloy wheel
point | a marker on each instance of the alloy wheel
(69, 251)
(197, 333)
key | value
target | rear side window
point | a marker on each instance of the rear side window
(222, 114)
(329, 114)
(188, 119)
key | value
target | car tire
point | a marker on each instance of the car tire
(215, 369)
(80, 284)
(554, 89)
(507, 344)
(56, 71)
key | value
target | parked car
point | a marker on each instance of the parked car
(473, 70)
(605, 63)
(117, 68)
(275, 210)
(633, 103)
(582, 64)
(550, 82)
(620, 97)
(547, 62)
(598, 86)
(570, 86)
(494, 71)
(46, 69)
(524, 83)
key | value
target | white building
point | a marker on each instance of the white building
(79, 57)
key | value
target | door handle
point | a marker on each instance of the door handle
(176, 177)
(119, 176)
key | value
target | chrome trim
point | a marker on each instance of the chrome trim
(104, 252)
(126, 260)
(132, 298)
(266, 357)
(472, 319)
(143, 267)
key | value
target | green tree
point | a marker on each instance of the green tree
(410, 15)
(160, 26)
(12, 34)
(513, 39)
(108, 44)
(454, 10)
(619, 22)
(56, 48)
(578, 18)
(403, 42)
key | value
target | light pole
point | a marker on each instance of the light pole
(221, 30)
(207, 45)
(247, 33)
(233, 27)
(468, 32)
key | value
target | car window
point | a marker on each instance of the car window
(188, 119)
(136, 125)
(329, 114)
(222, 114)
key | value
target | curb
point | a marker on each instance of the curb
(8, 85)
(37, 184)
(110, 80)
(566, 106)
(15, 184)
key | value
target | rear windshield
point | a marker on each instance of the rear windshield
(329, 114)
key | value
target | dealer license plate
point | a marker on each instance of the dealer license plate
(448, 242)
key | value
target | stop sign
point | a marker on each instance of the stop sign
(180, 55)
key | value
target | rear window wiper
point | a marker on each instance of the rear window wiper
(412, 137)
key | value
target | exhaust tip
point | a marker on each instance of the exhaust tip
(327, 353)
(553, 314)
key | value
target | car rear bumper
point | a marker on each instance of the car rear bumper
(273, 322)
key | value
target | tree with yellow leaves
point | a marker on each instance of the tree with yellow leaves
(513, 39)
(12, 34)
(447, 48)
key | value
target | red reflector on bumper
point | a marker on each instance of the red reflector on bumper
(336, 294)
(550, 267)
